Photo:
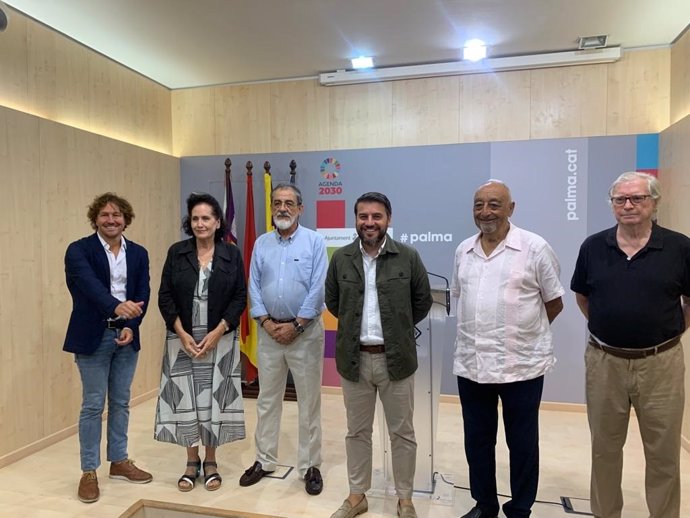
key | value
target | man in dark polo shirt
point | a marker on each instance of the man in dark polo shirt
(632, 283)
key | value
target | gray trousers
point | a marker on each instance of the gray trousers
(397, 398)
(304, 358)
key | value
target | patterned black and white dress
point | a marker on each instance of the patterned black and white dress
(200, 398)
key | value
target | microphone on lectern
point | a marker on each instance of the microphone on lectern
(447, 290)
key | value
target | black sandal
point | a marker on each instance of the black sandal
(189, 481)
(211, 477)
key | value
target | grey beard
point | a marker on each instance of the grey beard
(488, 227)
(283, 224)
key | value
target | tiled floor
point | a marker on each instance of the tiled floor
(44, 484)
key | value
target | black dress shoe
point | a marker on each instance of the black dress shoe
(476, 512)
(253, 475)
(313, 483)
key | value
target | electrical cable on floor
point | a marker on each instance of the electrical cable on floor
(547, 502)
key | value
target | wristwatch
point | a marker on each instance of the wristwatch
(298, 327)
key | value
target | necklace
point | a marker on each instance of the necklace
(205, 258)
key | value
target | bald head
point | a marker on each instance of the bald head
(497, 187)
(492, 207)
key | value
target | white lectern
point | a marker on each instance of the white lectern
(427, 388)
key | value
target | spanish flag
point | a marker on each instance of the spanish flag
(248, 330)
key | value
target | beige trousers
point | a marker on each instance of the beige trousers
(654, 386)
(304, 358)
(397, 398)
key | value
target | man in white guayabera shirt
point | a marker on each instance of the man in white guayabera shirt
(507, 288)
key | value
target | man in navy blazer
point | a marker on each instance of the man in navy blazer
(108, 278)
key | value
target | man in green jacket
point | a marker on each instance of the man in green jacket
(378, 289)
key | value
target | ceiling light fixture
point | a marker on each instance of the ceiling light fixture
(362, 62)
(454, 68)
(592, 42)
(474, 50)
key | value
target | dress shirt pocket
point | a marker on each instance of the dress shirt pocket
(302, 266)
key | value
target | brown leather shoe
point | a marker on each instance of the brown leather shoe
(126, 470)
(88, 487)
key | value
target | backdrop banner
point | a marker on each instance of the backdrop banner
(560, 188)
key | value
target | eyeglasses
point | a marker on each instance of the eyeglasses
(635, 199)
(288, 204)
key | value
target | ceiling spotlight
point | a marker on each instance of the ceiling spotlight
(362, 62)
(592, 42)
(474, 50)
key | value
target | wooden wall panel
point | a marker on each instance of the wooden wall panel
(680, 78)
(568, 101)
(628, 97)
(494, 107)
(361, 116)
(46, 74)
(70, 178)
(299, 116)
(193, 122)
(639, 92)
(674, 211)
(242, 120)
(425, 111)
(50, 173)
(58, 85)
(21, 246)
(152, 110)
(13, 58)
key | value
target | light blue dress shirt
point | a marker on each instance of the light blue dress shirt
(287, 275)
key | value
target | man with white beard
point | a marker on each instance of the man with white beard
(286, 291)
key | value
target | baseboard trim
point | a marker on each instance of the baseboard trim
(58, 436)
(37, 446)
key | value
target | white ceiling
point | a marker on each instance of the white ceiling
(187, 43)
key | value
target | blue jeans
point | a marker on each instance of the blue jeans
(109, 369)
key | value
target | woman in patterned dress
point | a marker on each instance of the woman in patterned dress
(201, 297)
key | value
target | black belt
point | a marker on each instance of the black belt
(115, 324)
(373, 349)
(635, 354)
(279, 321)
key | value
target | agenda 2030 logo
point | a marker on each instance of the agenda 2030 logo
(330, 172)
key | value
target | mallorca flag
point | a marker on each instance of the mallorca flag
(229, 208)
(248, 330)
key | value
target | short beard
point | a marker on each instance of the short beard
(488, 227)
(375, 242)
(283, 224)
